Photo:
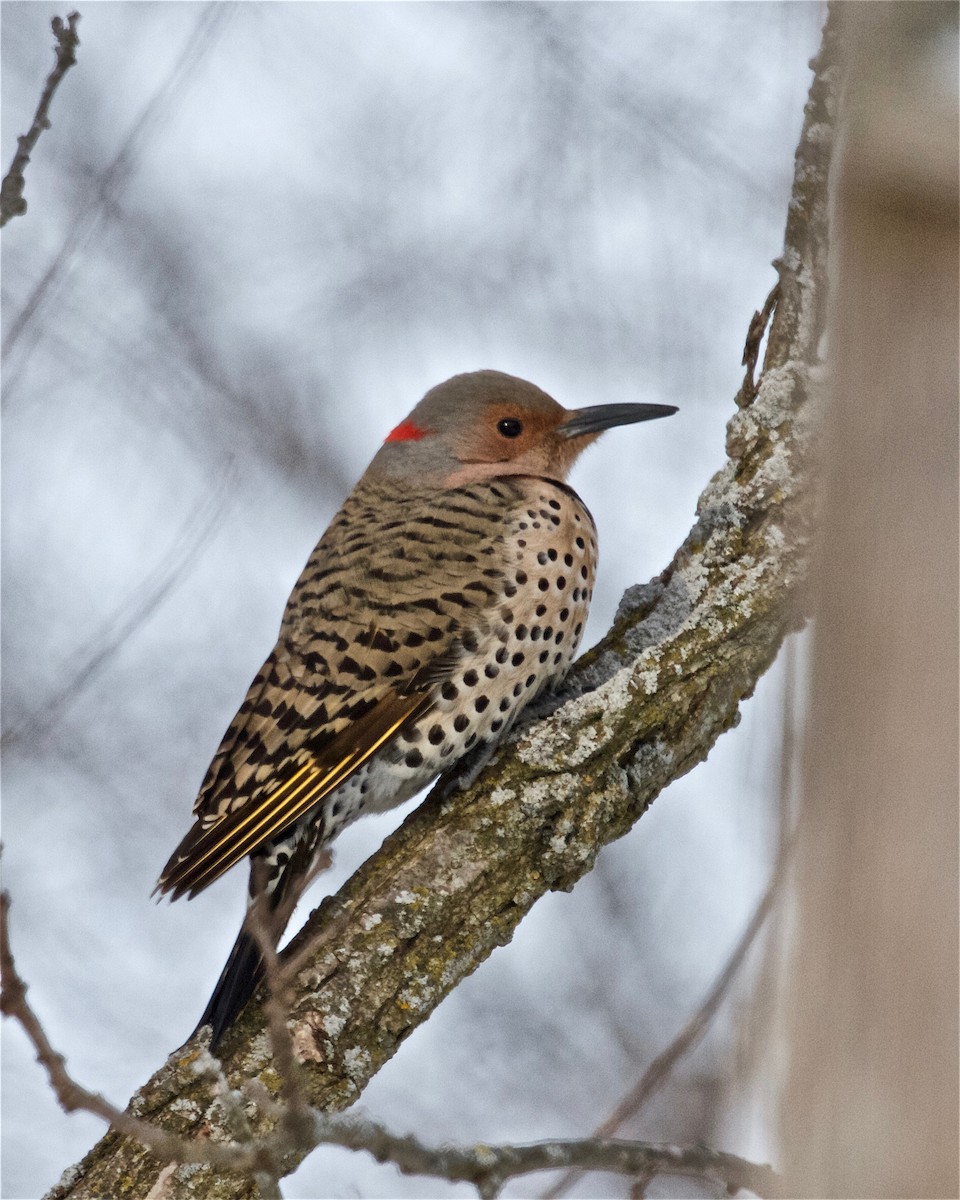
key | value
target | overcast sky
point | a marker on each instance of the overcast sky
(257, 233)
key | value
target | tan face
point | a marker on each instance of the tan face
(512, 438)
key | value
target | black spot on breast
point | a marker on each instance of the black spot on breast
(460, 722)
(414, 759)
(449, 691)
(435, 736)
(470, 678)
(561, 582)
(517, 660)
(480, 703)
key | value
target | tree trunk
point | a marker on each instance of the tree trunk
(871, 1107)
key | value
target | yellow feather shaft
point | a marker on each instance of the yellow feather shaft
(279, 809)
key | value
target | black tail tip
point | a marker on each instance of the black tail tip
(237, 983)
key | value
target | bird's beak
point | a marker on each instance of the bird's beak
(605, 416)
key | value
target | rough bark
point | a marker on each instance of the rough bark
(640, 710)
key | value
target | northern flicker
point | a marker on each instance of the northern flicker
(449, 591)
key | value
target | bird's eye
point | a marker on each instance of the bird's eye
(510, 427)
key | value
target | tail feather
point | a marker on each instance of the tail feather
(244, 968)
(237, 983)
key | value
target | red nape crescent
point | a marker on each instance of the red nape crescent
(406, 431)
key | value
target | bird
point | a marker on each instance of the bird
(449, 591)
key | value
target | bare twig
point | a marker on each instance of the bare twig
(87, 216)
(296, 1116)
(751, 347)
(486, 1167)
(489, 1167)
(254, 1156)
(12, 201)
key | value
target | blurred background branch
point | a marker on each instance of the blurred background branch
(12, 200)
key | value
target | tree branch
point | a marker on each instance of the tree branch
(641, 709)
(12, 202)
(298, 1128)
